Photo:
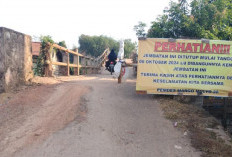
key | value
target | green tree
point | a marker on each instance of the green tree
(129, 47)
(140, 29)
(95, 45)
(209, 19)
(174, 23)
(184, 6)
(62, 43)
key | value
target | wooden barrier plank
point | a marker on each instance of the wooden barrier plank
(73, 65)
(65, 49)
(81, 66)
(59, 63)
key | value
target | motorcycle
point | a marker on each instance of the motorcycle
(110, 68)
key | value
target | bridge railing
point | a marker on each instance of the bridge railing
(82, 64)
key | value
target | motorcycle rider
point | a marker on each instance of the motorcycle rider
(111, 58)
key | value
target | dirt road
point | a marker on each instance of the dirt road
(94, 117)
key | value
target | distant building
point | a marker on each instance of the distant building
(35, 50)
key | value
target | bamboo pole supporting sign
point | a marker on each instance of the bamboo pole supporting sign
(122, 72)
(120, 76)
(65, 49)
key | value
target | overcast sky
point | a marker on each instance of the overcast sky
(68, 19)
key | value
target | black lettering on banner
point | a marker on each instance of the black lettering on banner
(172, 56)
(141, 61)
(203, 69)
(229, 77)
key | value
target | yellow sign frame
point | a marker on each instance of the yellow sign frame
(185, 67)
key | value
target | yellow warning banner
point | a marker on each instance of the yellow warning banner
(185, 67)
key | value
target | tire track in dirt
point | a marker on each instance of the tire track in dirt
(32, 115)
(119, 123)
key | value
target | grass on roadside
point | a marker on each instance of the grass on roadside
(199, 124)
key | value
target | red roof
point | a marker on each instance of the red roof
(36, 48)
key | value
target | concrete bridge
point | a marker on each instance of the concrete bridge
(16, 65)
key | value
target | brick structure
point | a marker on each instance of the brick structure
(15, 59)
(36, 48)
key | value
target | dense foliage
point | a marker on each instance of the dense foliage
(95, 45)
(129, 48)
(140, 29)
(39, 66)
(209, 19)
